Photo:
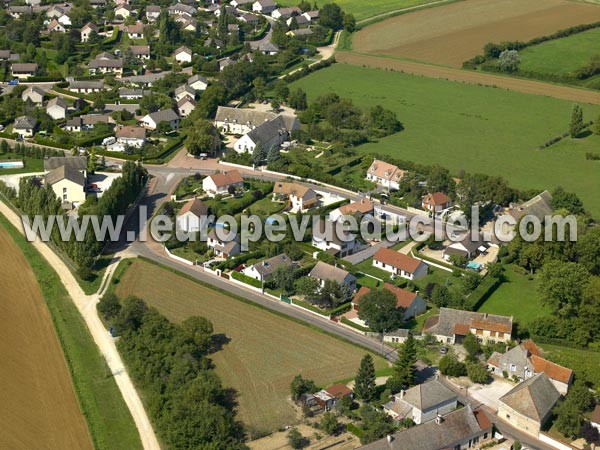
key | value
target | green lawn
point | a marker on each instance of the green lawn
(31, 164)
(475, 128)
(516, 297)
(561, 56)
(109, 421)
(266, 206)
(364, 9)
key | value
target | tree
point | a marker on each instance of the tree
(561, 286)
(109, 306)
(404, 368)
(92, 162)
(379, 308)
(295, 439)
(576, 126)
(364, 384)
(331, 16)
(301, 386)
(202, 137)
(441, 295)
(375, 424)
(297, 99)
(477, 373)
(597, 125)
(307, 287)
(273, 155)
(329, 423)
(509, 60)
(567, 200)
(349, 23)
(472, 346)
(259, 154)
(451, 367)
(131, 315)
(568, 419)
(199, 330)
(275, 105)
(283, 278)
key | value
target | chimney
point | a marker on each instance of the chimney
(439, 419)
(390, 438)
(402, 392)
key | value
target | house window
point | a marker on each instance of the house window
(512, 367)
(479, 331)
(500, 335)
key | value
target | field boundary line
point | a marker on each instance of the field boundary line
(398, 12)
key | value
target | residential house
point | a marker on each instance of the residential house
(7, 55)
(266, 47)
(192, 217)
(131, 94)
(198, 83)
(152, 120)
(249, 18)
(140, 51)
(55, 11)
(106, 63)
(399, 264)
(323, 272)
(97, 3)
(226, 246)
(268, 135)
(124, 11)
(301, 23)
(528, 405)
(264, 6)
(524, 361)
(33, 2)
(219, 183)
(312, 15)
(357, 209)
(240, 120)
(459, 430)
(238, 3)
(233, 28)
(466, 247)
(78, 163)
(337, 242)
(398, 336)
(300, 32)
(130, 136)
(23, 70)
(152, 13)
(436, 202)
(225, 62)
(183, 55)
(181, 9)
(286, 13)
(65, 20)
(451, 326)
(86, 87)
(185, 106)
(34, 94)
(411, 303)
(327, 399)
(539, 206)
(25, 126)
(57, 108)
(17, 11)
(56, 27)
(385, 174)
(68, 184)
(423, 402)
(135, 31)
(87, 30)
(263, 270)
(387, 214)
(184, 91)
(299, 197)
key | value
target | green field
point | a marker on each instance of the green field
(475, 128)
(109, 421)
(365, 9)
(31, 164)
(517, 297)
(561, 56)
(263, 352)
(585, 363)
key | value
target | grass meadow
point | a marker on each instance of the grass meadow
(264, 351)
(475, 128)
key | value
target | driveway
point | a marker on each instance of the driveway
(489, 394)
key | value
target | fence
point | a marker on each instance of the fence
(553, 442)
(178, 258)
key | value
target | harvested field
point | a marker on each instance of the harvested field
(454, 33)
(263, 351)
(38, 407)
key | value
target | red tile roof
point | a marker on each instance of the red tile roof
(339, 390)
(404, 298)
(227, 178)
(461, 329)
(530, 346)
(397, 260)
(437, 198)
(482, 419)
(552, 370)
(491, 326)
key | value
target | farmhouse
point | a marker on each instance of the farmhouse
(539, 206)
(528, 406)
(224, 248)
(192, 216)
(326, 238)
(23, 70)
(460, 429)
(263, 270)
(524, 361)
(452, 325)
(183, 55)
(68, 184)
(385, 174)
(436, 202)
(151, 121)
(323, 272)
(423, 402)
(86, 87)
(299, 197)
(131, 136)
(239, 120)
(33, 94)
(87, 30)
(356, 209)
(399, 264)
(411, 303)
(25, 126)
(57, 108)
(220, 183)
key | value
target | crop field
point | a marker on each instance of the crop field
(453, 33)
(264, 351)
(470, 127)
(562, 56)
(365, 9)
(38, 407)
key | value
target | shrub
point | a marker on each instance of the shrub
(109, 306)
(86, 274)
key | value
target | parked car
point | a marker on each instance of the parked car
(443, 350)
(13, 82)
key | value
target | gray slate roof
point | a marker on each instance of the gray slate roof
(267, 130)
(242, 115)
(65, 173)
(268, 266)
(428, 395)
(324, 271)
(449, 317)
(166, 115)
(534, 397)
(539, 206)
(75, 162)
(25, 123)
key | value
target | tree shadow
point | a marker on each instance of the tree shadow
(218, 341)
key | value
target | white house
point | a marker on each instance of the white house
(197, 83)
(135, 31)
(123, 10)
(57, 108)
(286, 13)
(263, 270)
(25, 126)
(385, 174)
(268, 134)
(106, 63)
(298, 196)
(323, 272)
(436, 202)
(23, 70)
(183, 55)
(34, 94)
(226, 246)
(219, 183)
(399, 264)
(131, 136)
(185, 106)
(264, 6)
(192, 217)
(152, 13)
(87, 30)
(68, 184)
(326, 238)
(152, 120)
(184, 91)
(356, 209)
(56, 27)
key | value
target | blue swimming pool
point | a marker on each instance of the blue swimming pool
(11, 164)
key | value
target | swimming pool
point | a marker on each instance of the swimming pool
(11, 164)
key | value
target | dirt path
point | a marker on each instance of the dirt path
(471, 77)
(86, 304)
